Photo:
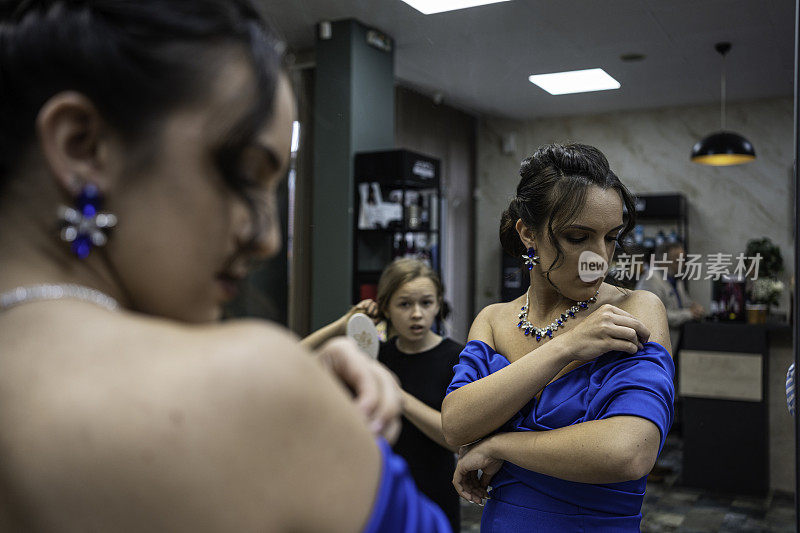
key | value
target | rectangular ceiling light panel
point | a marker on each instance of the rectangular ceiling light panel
(576, 81)
(437, 6)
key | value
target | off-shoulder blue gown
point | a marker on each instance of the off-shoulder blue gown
(616, 383)
(399, 506)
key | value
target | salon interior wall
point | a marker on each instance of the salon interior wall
(448, 134)
(649, 150)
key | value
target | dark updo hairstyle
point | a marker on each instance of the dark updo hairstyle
(553, 190)
(134, 59)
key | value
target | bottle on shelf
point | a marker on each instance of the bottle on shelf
(714, 310)
(412, 209)
(367, 197)
(673, 236)
(398, 246)
(638, 234)
(423, 251)
(412, 246)
(434, 212)
(424, 206)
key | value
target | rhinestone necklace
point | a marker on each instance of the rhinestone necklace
(56, 291)
(538, 333)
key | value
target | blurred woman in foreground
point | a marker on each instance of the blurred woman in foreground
(141, 144)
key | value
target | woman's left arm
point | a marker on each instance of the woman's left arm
(609, 450)
(620, 448)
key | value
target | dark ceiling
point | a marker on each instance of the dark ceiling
(479, 59)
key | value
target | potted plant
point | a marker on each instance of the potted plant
(771, 263)
(765, 289)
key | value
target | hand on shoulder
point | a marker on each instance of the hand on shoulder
(622, 321)
(649, 309)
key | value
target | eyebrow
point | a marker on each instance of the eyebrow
(591, 230)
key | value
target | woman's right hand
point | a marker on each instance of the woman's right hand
(472, 458)
(607, 329)
(368, 307)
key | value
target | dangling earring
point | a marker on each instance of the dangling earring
(85, 226)
(531, 258)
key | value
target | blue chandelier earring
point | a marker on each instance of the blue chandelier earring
(84, 226)
(531, 258)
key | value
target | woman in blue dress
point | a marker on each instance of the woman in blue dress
(563, 397)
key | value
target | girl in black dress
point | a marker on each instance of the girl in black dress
(410, 297)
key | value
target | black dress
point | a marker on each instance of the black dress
(426, 376)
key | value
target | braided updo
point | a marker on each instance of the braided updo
(552, 190)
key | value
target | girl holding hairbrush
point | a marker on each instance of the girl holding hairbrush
(409, 299)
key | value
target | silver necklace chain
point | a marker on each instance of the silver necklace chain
(539, 333)
(56, 291)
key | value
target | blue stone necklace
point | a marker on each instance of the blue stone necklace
(538, 333)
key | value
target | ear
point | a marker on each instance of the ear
(73, 139)
(525, 234)
(439, 303)
(441, 307)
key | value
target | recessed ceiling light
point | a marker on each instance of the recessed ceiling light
(576, 81)
(437, 6)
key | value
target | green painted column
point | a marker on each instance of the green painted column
(353, 112)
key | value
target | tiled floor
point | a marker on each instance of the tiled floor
(668, 507)
(470, 517)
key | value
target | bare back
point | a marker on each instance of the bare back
(114, 421)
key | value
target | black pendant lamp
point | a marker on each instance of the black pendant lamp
(723, 148)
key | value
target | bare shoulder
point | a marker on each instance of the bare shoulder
(482, 327)
(641, 301)
(190, 428)
(648, 308)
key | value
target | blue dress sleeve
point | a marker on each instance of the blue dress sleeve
(399, 506)
(637, 385)
(477, 360)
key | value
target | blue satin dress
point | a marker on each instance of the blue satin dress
(399, 506)
(616, 383)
